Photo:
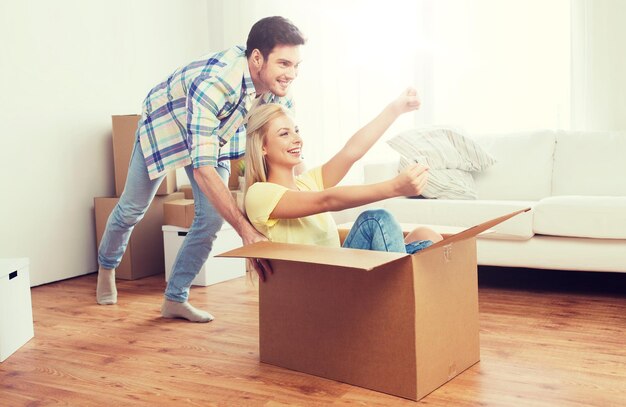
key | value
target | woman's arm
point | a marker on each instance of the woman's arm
(297, 204)
(360, 143)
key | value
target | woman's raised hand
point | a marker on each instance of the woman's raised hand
(406, 102)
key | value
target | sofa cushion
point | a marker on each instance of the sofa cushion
(464, 213)
(523, 170)
(602, 217)
(589, 163)
(555, 253)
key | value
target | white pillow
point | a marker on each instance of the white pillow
(441, 148)
(448, 183)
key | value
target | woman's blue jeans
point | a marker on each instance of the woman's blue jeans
(130, 209)
(376, 229)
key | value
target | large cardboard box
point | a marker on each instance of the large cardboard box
(144, 253)
(214, 270)
(16, 314)
(179, 212)
(124, 139)
(396, 323)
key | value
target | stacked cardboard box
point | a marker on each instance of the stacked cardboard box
(186, 189)
(124, 139)
(179, 213)
(144, 254)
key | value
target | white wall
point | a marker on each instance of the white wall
(65, 67)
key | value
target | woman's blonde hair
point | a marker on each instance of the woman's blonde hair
(256, 130)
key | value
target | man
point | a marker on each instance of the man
(195, 119)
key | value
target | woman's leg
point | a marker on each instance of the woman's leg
(423, 233)
(376, 229)
(420, 238)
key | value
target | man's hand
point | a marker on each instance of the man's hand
(261, 266)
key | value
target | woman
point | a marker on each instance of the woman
(295, 209)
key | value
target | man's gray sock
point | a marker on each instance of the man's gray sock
(184, 310)
(106, 292)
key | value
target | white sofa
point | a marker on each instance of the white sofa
(575, 183)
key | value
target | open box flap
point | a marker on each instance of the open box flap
(330, 256)
(474, 230)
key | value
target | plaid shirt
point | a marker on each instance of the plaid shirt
(196, 116)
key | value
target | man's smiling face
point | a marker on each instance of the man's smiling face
(278, 70)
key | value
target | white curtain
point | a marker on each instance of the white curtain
(482, 65)
(598, 65)
(502, 66)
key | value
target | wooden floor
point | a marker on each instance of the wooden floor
(541, 345)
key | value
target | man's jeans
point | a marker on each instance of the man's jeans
(130, 209)
(376, 229)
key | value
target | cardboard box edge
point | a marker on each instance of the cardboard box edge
(320, 254)
(475, 230)
(378, 258)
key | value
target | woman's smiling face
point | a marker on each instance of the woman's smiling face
(283, 144)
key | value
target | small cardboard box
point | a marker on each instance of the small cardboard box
(235, 173)
(124, 139)
(238, 197)
(16, 314)
(179, 212)
(187, 190)
(214, 270)
(392, 322)
(144, 253)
